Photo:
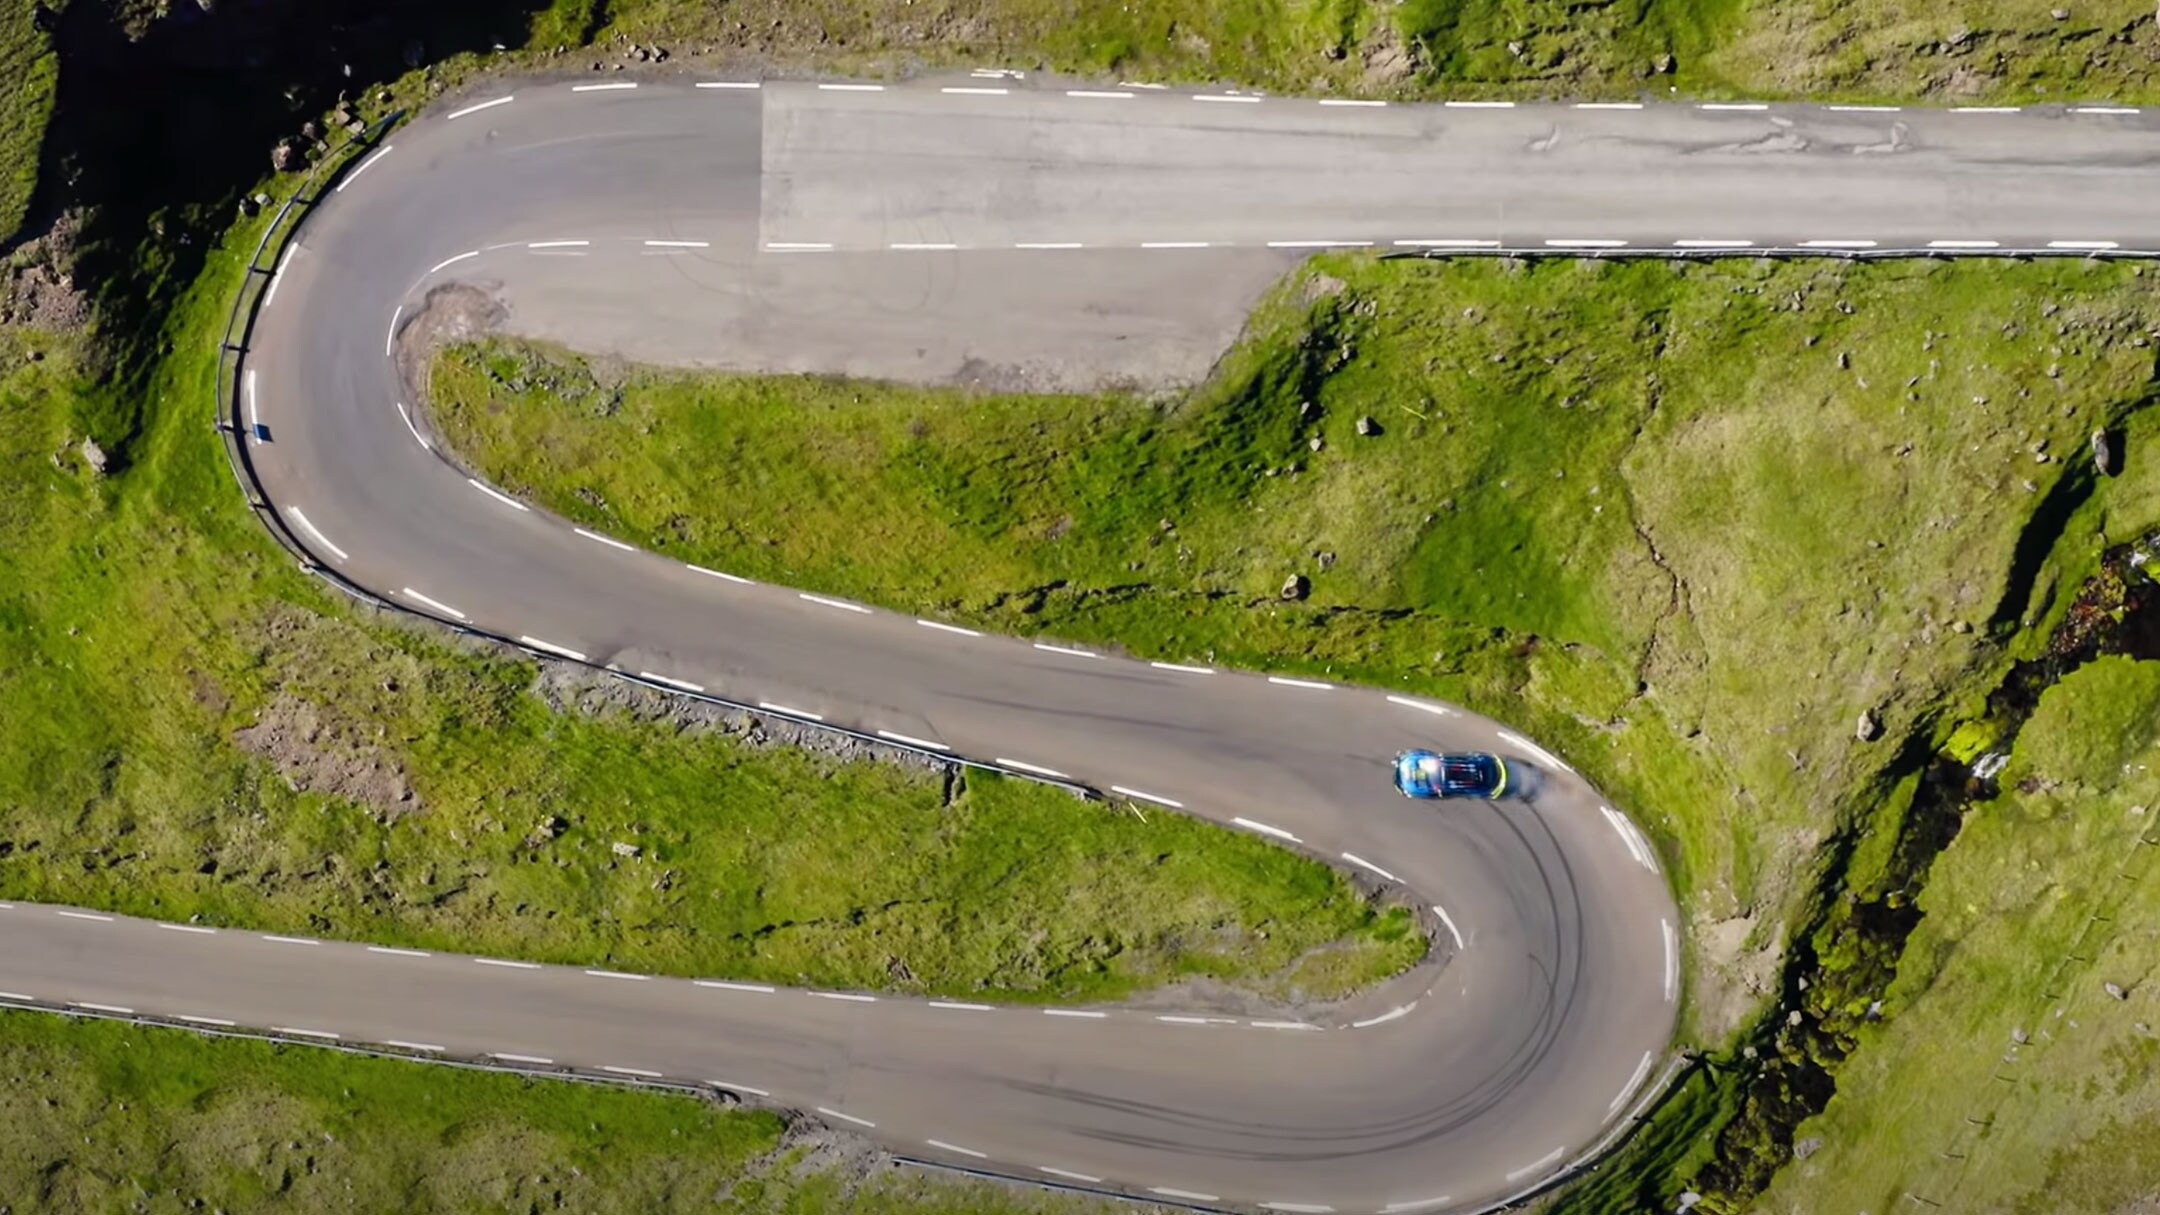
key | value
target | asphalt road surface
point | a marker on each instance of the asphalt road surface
(1025, 235)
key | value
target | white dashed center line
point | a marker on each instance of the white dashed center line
(1172, 666)
(671, 681)
(1068, 1174)
(1064, 649)
(1264, 829)
(948, 628)
(492, 492)
(724, 985)
(805, 714)
(188, 928)
(912, 741)
(438, 267)
(1313, 684)
(399, 953)
(602, 88)
(437, 604)
(943, 1146)
(610, 541)
(552, 648)
(1362, 863)
(833, 1113)
(739, 581)
(822, 601)
(474, 109)
(1157, 798)
(1037, 769)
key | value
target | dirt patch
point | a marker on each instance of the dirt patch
(37, 281)
(1738, 974)
(1388, 59)
(451, 313)
(317, 754)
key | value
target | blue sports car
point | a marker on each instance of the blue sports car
(1468, 774)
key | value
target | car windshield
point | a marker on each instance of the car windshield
(1428, 766)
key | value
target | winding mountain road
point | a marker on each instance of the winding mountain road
(1003, 230)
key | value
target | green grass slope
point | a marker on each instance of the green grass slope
(32, 73)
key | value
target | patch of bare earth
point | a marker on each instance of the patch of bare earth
(451, 313)
(316, 753)
(37, 281)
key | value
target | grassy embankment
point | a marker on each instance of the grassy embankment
(32, 72)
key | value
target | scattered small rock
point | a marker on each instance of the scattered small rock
(1663, 64)
(286, 156)
(249, 207)
(1959, 626)
(2019, 1036)
(94, 456)
(1296, 587)
(632, 851)
(1368, 426)
(1317, 443)
(1326, 560)
(2115, 990)
(1844, 360)
(1869, 727)
(1804, 1148)
(2060, 14)
(2103, 454)
(1308, 410)
(1845, 307)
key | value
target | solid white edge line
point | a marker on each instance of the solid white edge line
(1837, 244)
(725, 985)
(974, 91)
(312, 530)
(1394, 1014)
(506, 962)
(728, 84)
(1360, 861)
(852, 88)
(1265, 829)
(399, 953)
(1065, 649)
(1449, 920)
(603, 88)
(1423, 706)
(1313, 684)
(940, 1144)
(833, 1113)
(194, 928)
(552, 648)
(1672, 960)
(948, 628)
(1319, 244)
(1147, 797)
(1174, 244)
(1182, 669)
(630, 1071)
(510, 1058)
(206, 1020)
(1964, 244)
(1627, 1090)
(805, 714)
(474, 109)
(739, 1088)
(1023, 766)
(304, 1033)
(403, 1045)
(86, 915)
(290, 940)
(1449, 244)
(1086, 1013)
(1712, 244)
(1546, 1161)
(437, 604)
(362, 167)
(735, 578)
(853, 997)
(1350, 101)
(1068, 1173)
(822, 601)
(957, 1006)
(679, 244)
(389, 342)
(2084, 244)
(496, 494)
(610, 541)
(672, 682)
(437, 268)
(912, 741)
(417, 436)
(111, 1008)
(1195, 1195)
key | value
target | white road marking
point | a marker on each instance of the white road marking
(552, 648)
(1534, 749)
(1065, 649)
(1282, 1025)
(1174, 1020)
(312, 530)
(1037, 769)
(1301, 683)
(1172, 666)
(399, 953)
(474, 109)
(610, 541)
(602, 88)
(189, 928)
(437, 604)
(1635, 844)
(84, 915)
(699, 569)
(1420, 1204)
(363, 167)
(948, 628)
(509, 1058)
(1195, 1195)
(1361, 862)
(1264, 829)
(798, 246)
(1318, 244)
(1139, 84)
(452, 261)
(2083, 244)
(723, 985)
(770, 707)
(1837, 244)
(853, 88)
(672, 682)
(1349, 101)
(496, 494)
(1672, 960)
(557, 244)
(739, 1088)
(111, 1008)
(207, 1021)
(1712, 244)
(1733, 105)
(506, 962)
(1641, 1069)
(974, 92)
(630, 1071)
(417, 436)
(2103, 109)
(1984, 109)
(1097, 93)
(254, 416)
(912, 741)
(1049, 244)
(727, 84)
(1296, 1208)
(1964, 244)
(845, 995)
(1479, 105)
(822, 601)
(940, 1144)
(1448, 243)
(619, 974)
(1394, 1014)
(678, 244)
(922, 246)
(1174, 244)
(1223, 97)
(1865, 109)
(277, 940)
(1591, 242)
(832, 1113)
(1546, 1161)
(1449, 920)
(402, 1045)
(1605, 105)
(304, 1033)
(277, 275)
(956, 1006)
(1090, 1014)
(16, 995)
(1147, 797)
(1067, 1173)
(389, 342)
